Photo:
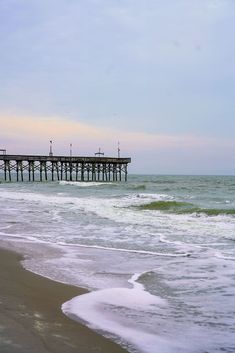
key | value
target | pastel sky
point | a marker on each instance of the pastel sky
(156, 75)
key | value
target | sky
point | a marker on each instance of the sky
(156, 75)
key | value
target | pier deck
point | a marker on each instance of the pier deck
(50, 168)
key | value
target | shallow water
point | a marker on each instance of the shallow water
(158, 253)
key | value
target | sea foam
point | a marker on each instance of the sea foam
(103, 311)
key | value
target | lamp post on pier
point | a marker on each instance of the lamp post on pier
(50, 153)
(119, 149)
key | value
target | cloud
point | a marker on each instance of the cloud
(150, 153)
(164, 66)
(40, 129)
(168, 32)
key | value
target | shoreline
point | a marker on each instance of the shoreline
(31, 317)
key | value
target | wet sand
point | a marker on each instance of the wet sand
(31, 320)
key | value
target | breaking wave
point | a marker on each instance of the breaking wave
(184, 208)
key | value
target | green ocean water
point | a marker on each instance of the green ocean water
(169, 237)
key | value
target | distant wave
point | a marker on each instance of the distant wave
(136, 187)
(83, 184)
(184, 208)
(160, 181)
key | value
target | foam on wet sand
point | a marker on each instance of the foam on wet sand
(31, 316)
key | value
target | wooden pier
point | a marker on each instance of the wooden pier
(52, 168)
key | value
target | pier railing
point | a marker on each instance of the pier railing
(50, 168)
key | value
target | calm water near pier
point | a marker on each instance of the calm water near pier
(157, 253)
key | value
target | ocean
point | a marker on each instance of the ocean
(157, 254)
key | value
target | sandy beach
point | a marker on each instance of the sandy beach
(31, 316)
